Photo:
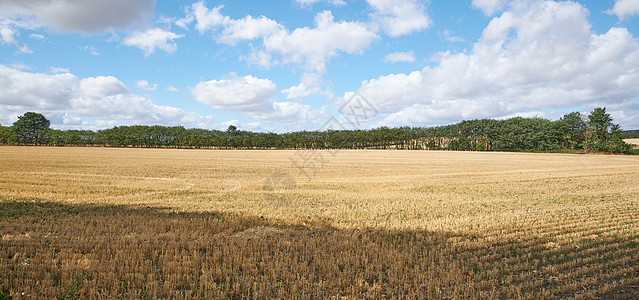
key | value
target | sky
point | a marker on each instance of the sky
(290, 65)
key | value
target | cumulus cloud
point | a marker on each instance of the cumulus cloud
(234, 30)
(205, 18)
(308, 47)
(254, 97)
(394, 57)
(35, 90)
(90, 103)
(246, 93)
(312, 47)
(150, 40)
(172, 89)
(311, 84)
(490, 7)
(88, 16)
(101, 86)
(624, 8)
(540, 55)
(247, 28)
(399, 17)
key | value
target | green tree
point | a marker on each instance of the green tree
(573, 130)
(5, 134)
(600, 123)
(603, 135)
(232, 129)
(31, 128)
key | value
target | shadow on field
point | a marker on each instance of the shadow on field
(50, 249)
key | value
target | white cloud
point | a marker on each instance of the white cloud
(88, 16)
(37, 91)
(294, 115)
(624, 8)
(490, 7)
(394, 57)
(7, 36)
(89, 103)
(57, 70)
(399, 17)
(312, 47)
(20, 66)
(253, 97)
(246, 93)
(311, 84)
(101, 86)
(38, 37)
(144, 85)
(151, 39)
(172, 89)
(452, 38)
(260, 58)
(91, 50)
(624, 113)
(309, 47)
(536, 56)
(205, 19)
(186, 21)
(247, 28)
(308, 3)
(234, 30)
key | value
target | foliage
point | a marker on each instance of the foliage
(631, 134)
(572, 128)
(603, 135)
(570, 133)
(31, 128)
(5, 134)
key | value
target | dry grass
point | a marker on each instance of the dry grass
(183, 224)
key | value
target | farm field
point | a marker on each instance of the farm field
(106, 223)
(633, 142)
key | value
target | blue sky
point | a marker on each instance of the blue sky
(291, 65)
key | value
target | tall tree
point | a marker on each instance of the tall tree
(573, 129)
(232, 129)
(600, 122)
(31, 128)
(603, 135)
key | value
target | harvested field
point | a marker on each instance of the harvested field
(633, 142)
(182, 224)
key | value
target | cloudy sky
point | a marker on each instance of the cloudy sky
(292, 64)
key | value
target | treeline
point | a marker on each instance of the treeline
(631, 134)
(573, 132)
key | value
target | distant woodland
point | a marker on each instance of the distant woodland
(573, 132)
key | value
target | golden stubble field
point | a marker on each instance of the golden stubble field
(107, 223)
(633, 142)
